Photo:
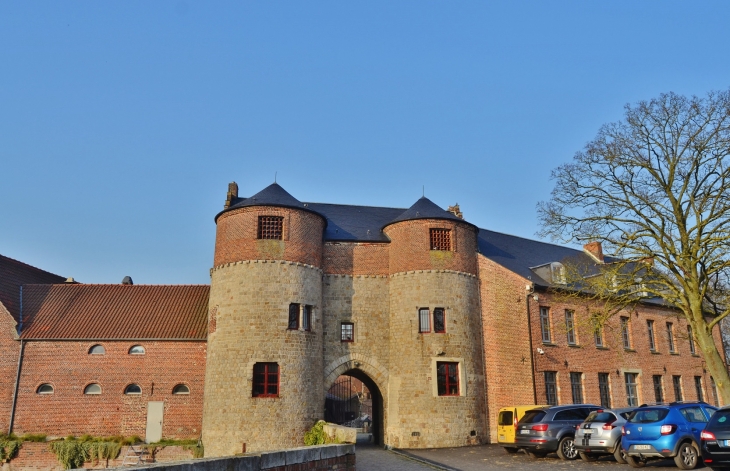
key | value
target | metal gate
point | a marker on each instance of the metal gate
(342, 403)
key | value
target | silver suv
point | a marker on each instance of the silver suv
(600, 434)
(545, 430)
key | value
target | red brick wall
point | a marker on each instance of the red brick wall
(410, 247)
(9, 350)
(69, 368)
(348, 258)
(236, 237)
(586, 358)
(506, 343)
(38, 457)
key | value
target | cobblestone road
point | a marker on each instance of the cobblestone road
(479, 458)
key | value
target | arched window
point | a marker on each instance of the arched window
(133, 389)
(93, 388)
(181, 389)
(137, 350)
(97, 350)
(44, 389)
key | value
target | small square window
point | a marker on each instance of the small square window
(424, 323)
(271, 227)
(347, 332)
(447, 374)
(266, 380)
(307, 318)
(293, 316)
(441, 239)
(439, 320)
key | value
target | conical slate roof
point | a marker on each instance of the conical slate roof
(424, 208)
(272, 195)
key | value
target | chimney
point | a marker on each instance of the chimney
(594, 250)
(127, 280)
(70, 280)
(232, 195)
(456, 211)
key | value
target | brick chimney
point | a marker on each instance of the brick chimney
(456, 211)
(232, 194)
(594, 250)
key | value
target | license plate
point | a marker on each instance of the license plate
(501, 437)
(590, 430)
(725, 442)
(525, 432)
(642, 447)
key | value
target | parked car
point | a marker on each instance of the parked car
(507, 424)
(552, 429)
(600, 434)
(666, 431)
(715, 438)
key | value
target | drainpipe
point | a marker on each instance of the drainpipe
(486, 424)
(529, 332)
(20, 362)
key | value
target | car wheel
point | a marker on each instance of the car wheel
(587, 456)
(619, 455)
(635, 462)
(510, 449)
(537, 454)
(687, 457)
(566, 449)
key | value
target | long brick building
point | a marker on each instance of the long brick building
(444, 323)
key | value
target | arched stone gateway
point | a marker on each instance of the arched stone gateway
(375, 378)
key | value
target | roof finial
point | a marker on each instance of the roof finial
(424, 191)
(275, 177)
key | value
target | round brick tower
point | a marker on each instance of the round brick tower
(436, 385)
(264, 372)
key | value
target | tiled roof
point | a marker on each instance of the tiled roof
(115, 312)
(13, 274)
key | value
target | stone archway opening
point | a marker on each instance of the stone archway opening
(355, 400)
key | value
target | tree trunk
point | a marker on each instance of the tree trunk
(714, 361)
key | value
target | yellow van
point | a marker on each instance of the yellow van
(507, 424)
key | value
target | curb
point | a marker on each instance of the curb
(425, 461)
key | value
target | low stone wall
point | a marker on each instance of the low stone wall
(311, 458)
(37, 457)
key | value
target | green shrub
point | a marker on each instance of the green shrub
(73, 453)
(316, 435)
(9, 446)
(30, 437)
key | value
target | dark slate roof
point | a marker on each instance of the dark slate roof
(424, 208)
(519, 255)
(355, 223)
(78, 311)
(14, 274)
(272, 195)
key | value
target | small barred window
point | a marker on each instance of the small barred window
(271, 227)
(440, 239)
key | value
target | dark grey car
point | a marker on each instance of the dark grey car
(551, 429)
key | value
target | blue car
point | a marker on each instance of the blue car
(666, 431)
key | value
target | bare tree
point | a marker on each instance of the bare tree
(654, 189)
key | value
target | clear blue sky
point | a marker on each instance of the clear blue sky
(121, 123)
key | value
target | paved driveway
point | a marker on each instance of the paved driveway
(478, 458)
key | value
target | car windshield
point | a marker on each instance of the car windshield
(647, 416)
(532, 416)
(720, 420)
(596, 416)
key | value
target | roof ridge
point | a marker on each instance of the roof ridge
(118, 284)
(356, 205)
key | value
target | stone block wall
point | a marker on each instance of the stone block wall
(251, 303)
(69, 368)
(418, 417)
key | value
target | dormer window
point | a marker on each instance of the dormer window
(441, 239)
(271, 227)
(557, 271)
